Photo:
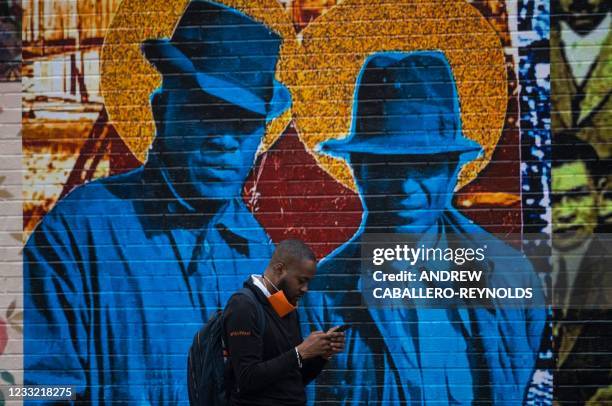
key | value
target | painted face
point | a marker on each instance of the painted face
(296, 278)
(583, 15)
(405, 193)
(208, 145)
(574, 206)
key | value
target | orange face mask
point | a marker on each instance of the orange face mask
(279, 302)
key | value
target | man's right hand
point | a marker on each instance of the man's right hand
(317, 344)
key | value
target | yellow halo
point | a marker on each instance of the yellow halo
(322, 78)
(128, 79)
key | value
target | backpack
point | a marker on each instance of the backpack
(207, 360)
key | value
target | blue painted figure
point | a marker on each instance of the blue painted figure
(120, 275)
(406, 148)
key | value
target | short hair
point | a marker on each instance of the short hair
(292, 251)
(567, 148)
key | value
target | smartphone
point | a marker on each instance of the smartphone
(342, 328)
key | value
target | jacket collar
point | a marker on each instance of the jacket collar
(257, 280)
(591, 283)
(596, 87)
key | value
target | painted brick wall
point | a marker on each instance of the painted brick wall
(115, 278)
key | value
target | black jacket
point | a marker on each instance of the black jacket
(264, 367)
(583, 351)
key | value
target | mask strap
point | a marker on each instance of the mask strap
(273, 285)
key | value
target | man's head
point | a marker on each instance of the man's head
(292, 267)
(583, 16)
(405, 193)
(218, 92)
(207, 145)
(406, 145)
(575, 190)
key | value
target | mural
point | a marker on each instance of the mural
(99, 150)
(581, 83)
(164, 244)
(406, 147)
(165, 152)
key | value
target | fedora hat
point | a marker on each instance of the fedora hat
(405, 103)
(230, 56)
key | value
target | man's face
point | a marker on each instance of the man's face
(295, 280)
(583, 15)
(208, 145)
(574, 206)
(405, 193)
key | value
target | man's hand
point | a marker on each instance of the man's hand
(316, 344)
(337, 340)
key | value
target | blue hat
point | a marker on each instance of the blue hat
(405, 103)
(230, 56)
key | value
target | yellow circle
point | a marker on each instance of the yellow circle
(322, 78)
(128, 79)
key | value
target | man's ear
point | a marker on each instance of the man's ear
(279, 269)
(600, 189)
(601, 183)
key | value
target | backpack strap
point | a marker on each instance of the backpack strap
(261, 317)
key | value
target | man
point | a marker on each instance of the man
(582, 283)
(121, 274)
(272, 367)
(406, 149)
(580, 46)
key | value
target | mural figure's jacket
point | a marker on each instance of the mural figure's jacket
(117, 280)
(422, 356)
